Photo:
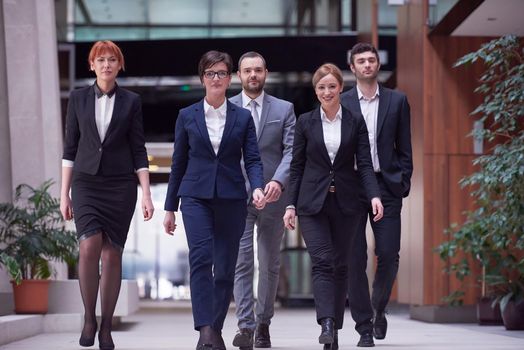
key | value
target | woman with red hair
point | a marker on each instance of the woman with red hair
(104, 154)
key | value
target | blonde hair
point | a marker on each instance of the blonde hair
(326, 69)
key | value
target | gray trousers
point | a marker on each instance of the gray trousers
(270, 230)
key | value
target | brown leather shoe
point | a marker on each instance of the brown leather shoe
(262, 338)
(243, 338)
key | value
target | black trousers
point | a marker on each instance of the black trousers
(328, 236)
(387, 246)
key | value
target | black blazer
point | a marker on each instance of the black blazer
(123, 150)
(393, 137)
(311, 170)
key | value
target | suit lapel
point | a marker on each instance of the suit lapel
(200, 120)
(237, 99)
(231, 118)
(383, 106)
(353, 103)
(345, 135)
(318, 135)
(90, 112)
(263, 118)
(117, 108)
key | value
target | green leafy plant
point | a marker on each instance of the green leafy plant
(493, 234)
(32, 233)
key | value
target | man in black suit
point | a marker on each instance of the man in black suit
(387, 116)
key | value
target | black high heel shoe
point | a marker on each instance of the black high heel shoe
(205, 341)
(87, 340)
(106, 344)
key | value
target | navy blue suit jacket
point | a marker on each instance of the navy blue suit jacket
(196, 171)
(123, 150)
(393, 137)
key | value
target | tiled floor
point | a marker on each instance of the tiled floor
(172, 328)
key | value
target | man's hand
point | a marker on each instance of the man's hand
(289, 219)
(273, 191)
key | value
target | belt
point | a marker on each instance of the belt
(331, 188)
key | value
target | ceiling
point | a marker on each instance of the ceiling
(494, 18)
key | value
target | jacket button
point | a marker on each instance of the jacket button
(100, 149)
(330, 172)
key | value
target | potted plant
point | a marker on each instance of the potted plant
(32, 234)
(492, 235)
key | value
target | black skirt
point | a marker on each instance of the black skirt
(104, 203)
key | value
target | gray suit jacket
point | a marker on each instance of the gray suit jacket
(275, 138)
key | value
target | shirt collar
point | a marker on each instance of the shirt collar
(338, 115)
(246, 100)
(221, 110)
(361, 95)
(99, 93)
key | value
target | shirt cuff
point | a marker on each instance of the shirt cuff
(142, 169)
(66, 163)
(280, 183)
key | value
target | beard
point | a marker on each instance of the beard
(368, 77)
(254, 89)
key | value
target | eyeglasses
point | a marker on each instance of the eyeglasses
(221, 74)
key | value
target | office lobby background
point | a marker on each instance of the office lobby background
(43, 56)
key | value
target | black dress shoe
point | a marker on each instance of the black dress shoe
(87, 337)
(380, 325)
(204, 347)
(366, 340)
(243, 338)
(262, 338)
(334, 345)
(327, 333)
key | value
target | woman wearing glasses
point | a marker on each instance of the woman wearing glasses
(211, 138)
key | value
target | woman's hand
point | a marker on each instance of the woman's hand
(66, 207)
(169, 222)
(147, 208)
(378, 209)
(290, 219)
(259, 200)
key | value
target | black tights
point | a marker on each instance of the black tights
(93, 249)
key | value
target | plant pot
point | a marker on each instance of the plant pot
(488, 315)
(513, 316)
(31, 296)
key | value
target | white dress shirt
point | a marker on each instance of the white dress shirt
(369, 109)
(215, 122)
(332, 131)
(246, 100)
(103, 113)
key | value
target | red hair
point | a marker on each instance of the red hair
(103, 46)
